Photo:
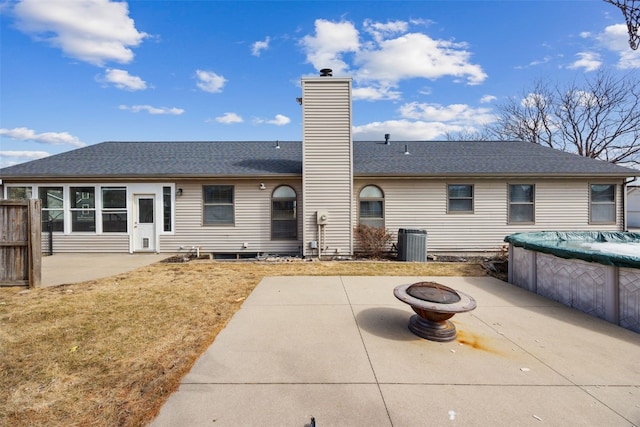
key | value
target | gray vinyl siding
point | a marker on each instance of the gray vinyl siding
(252, 220)
(327, 163)
(422, 204)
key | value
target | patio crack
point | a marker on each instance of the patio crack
(375, 377)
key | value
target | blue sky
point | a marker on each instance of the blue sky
(79, 72)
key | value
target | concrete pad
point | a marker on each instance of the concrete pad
(478, 405)
(237, 405)
(295, 290)
(339, 349)
(375, 290)
(286, 344)
(583, 349)
(492, 292)
(623, 400)
(478, 356)
(66, 268)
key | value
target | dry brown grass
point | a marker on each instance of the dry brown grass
(109, 352)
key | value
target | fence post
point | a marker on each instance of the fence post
(35, 243)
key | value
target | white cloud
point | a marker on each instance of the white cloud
(152, 110)
(486, 99)
(423, 122)
(331, 41)
(381, 30)
(405, 130)
(589, 61)
(259, 46)
(532, 99)
(209, 81)
(615, 38)
(10, 158)
(51, 138)
(386, 54)
(229, 118)
(93, 31)
(279, 120)
(460, 114)
(417, 55)
(30, 155)
(123, 80)
(629, 59)
(372, 93)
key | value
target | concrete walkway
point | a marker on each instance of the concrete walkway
(338, 349)
(59, 269)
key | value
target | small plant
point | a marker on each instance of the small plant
(373, 241)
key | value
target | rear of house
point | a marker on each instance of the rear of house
(242, 199)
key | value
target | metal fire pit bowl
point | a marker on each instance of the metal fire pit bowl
(434, 304)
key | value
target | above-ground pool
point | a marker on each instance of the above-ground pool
(595, 272)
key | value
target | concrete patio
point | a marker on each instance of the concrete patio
(338, 349)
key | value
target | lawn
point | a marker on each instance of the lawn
(109, 352)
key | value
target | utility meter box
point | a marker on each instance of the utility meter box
(322, 217)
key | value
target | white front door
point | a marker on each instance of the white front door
(144, 227)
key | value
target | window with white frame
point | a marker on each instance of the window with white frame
(83, 208)
(284, 214)
(371, 203)
(19, 193)
(460, 198)
(114, 209)
(52, 208)
(521, 203)
(218, 205)
(602, 201)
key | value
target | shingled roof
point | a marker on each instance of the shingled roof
(110, 160)
(475, 158)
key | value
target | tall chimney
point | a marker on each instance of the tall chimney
(327, 166)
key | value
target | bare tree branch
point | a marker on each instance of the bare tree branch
(598, 117)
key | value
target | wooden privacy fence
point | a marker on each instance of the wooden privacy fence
(20, 240)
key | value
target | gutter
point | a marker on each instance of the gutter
(513, 175)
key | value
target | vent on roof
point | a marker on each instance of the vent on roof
(406, 149)
(386, 138)
(326, 72)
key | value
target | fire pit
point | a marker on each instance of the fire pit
(434, 304)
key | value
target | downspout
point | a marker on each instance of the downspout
(624, 201)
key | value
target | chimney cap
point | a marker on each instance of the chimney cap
(326, 72)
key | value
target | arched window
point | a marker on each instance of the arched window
(372, 206)
(284, 214)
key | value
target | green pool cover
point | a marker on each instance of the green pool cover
(621, 249)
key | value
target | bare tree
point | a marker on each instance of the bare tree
(598, 119)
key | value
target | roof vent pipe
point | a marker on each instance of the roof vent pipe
(406, 149)
(386, 138)
(326, 72)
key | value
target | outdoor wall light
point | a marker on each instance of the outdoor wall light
(179, 192)
(262, 186)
